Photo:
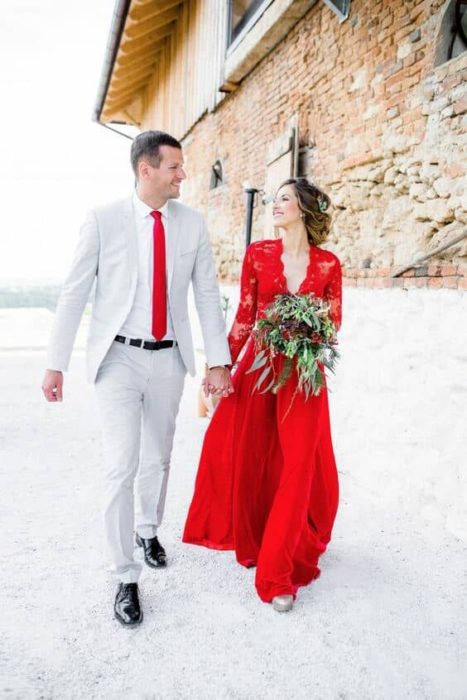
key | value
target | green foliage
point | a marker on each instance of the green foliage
(298, 327)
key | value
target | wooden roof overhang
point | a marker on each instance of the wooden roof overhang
(140, 32)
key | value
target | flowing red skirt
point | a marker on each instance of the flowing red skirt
(267, 483)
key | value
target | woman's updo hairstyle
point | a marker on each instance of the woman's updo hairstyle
(314, 205)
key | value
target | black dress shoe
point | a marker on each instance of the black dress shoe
(154, 552)
(127, 608)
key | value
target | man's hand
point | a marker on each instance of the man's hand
(218, 382)
(52, 385)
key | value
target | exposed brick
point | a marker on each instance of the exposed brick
(460, 106)
(435, 282)
(455, 170)
(418, 282)
(393, 112)
(449, 270)
(397, 282)
(462, 283)
(413, 282)
(304, 74)
(451, 282)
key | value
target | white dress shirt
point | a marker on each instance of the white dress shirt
(138, 323)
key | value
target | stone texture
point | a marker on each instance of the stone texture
(386, 128)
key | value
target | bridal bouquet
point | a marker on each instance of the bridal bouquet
(297, 326)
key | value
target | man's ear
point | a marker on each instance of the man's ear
(143, 170)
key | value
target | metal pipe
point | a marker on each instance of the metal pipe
(250, 205)
(106, 126)
(440, 249)
(116, 30)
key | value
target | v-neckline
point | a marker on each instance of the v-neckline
(281, 262)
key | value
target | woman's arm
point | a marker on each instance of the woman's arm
(246, 312)
(333, 293)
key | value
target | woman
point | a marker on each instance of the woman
(267, 480)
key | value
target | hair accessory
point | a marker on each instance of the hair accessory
(322, 203)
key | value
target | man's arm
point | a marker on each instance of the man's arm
(70, 307)
(208, 305)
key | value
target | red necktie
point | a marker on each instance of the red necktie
(159, 293)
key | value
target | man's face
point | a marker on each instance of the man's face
(164, 181)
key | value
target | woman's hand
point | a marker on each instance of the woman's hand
(218, 382)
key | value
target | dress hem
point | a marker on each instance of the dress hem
(209, 544)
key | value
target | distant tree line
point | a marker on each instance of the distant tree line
(16, 297)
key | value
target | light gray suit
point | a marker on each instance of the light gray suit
(138, 390)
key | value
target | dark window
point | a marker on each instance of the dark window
(461, 21)
(217, 176)
(452, 37)
(340, 7)
(241, 12)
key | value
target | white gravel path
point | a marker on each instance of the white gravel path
(387, 619)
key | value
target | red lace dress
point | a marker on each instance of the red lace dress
(267, 481)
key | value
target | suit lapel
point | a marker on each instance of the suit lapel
(172, 239)
(129, 231)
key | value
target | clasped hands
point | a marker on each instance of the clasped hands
(218, 382)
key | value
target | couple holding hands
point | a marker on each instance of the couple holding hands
(267, 481)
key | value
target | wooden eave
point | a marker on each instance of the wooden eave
(134, 50)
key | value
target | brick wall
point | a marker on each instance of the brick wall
(385, 134)
(431, 276)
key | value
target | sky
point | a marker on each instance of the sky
(55, 163)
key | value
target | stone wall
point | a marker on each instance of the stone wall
(382, 128)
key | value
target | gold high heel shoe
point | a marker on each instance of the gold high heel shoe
(282, 603)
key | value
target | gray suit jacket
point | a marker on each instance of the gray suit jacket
(107, 254)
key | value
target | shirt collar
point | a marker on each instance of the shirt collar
(142, 209)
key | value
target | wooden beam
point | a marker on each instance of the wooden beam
(122, 104)
(131, 45)
(132, 54)
(145, 11)
(141, 29)
(147, 59)
(115, 94)
(131, 74)
(125, 112)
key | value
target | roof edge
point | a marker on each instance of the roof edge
(113, 42)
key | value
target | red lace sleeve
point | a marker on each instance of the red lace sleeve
(333, 293)
(246, 312)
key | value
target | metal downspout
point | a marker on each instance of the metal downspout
(116, 30)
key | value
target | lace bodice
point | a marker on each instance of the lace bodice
(263, 278)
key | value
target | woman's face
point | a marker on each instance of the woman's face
(285, 209)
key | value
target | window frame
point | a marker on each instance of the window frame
(255, 13)
(343, 15)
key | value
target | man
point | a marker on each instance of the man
(142, 252)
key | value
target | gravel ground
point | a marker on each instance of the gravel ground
(387, 618)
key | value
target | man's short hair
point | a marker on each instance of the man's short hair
(147, 145)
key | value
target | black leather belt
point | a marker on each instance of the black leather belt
(146, 344)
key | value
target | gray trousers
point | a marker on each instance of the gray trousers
(139, 394)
